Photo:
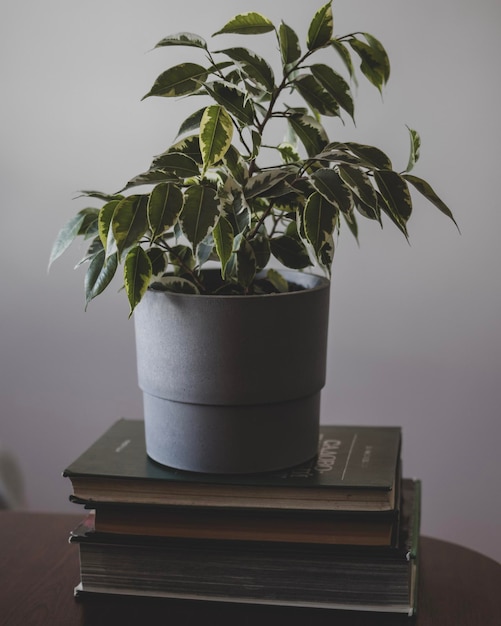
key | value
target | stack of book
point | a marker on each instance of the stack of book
(338, 532)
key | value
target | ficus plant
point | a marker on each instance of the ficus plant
(225, 191)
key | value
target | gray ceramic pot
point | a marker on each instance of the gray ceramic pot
(231, 384)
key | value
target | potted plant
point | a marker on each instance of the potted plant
(232, 349)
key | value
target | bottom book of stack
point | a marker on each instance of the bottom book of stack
(371, 578)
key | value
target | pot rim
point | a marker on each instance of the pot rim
(319, 283)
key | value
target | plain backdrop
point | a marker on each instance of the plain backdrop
(415, 337)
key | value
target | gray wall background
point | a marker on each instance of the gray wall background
(415, 329)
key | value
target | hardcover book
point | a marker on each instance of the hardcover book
(337, 577)
(356, 469)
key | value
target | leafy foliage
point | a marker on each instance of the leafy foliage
(212, 197)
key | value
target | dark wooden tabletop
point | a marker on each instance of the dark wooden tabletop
(39, 569)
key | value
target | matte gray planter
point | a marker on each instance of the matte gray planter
(231, 384)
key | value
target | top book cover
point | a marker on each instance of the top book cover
(356, 469)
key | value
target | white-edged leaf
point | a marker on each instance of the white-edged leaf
(216, 132)
(129, 221)
(175, 284)
(251, 23)
(178, 80)
(321, 28)
(427, 191)
(183, 39)
(331, 186)
(415, 147)
(137, 275)
(319, 220)
(223, 239)
(164, 206)
(289, 45)
(99, 274)
(199, 214)
(256, 68)
(67, 234)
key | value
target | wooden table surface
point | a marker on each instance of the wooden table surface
(39, 569)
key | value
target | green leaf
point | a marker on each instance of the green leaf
(381, 55)
(178, 81)
(396, 197)
(256, 68)
(321, 28)
(176, 165)
(68, 233)
(223, 238)
(331, 186)
(151, 177)
(319, 219)
(311, 134)
(335, 85)
(129, 222)
(99, 274)
(216, 132)
(415, 146)
(261, 246)
(199, 213)
(233, 100)
(427, 191)
(289, 45)
(247, 24)
(290, 252)
(164, 206)
(137, 275)
(360, 184)
(183, 39)
(314, 94)
(157, 259)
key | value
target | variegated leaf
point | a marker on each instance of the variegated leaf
(369, 155)
(316, 96)
(321, 28)
(415, 147)
(344, 53)
(199, 213)
(99, 274)
(319, 219)
(330, 185)
(216, 132)
(311, 134)
(178, 81)
(396, 195)
(261, 246)
(176, 165)
(427, 191)
(183, 39)
(164, 206)
(189, 146)
(358, 181)
(246, 264)
(236, 164)
(288, 152)
(233, 100)
(291, 252)
(289, 45)
(223, 239)
(68, 233)
(335, 85)
(192, 122)
(137, 275)
(277, 280)
(175, 284)
(151, 177)
(260, 183)
(129, 222)
(374, 65)
(251, 23)
(256, 68)
(104, 220)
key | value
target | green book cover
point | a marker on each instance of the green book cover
(357, 465)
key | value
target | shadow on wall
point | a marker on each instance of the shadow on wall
(11, 482)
